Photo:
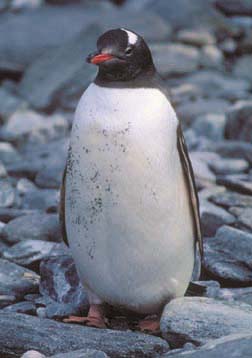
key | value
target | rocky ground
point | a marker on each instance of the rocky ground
(203, 50)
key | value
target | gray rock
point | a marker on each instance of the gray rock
(239, 121)
(244, 216)
(8, 214)
(234, 345)
(18, 5)
(203, 174)
(224, 166)
(7, 194)
(6, 300)
(9, 103)
(190, 110)
(212, 288)
(41, 199)
(8, 153)
(213, 217)
(184, 92)
(195, 38)
(33, 354)
(228, 46)
(50, 176)
(236, 182)
(61, 286)
(36, 227)
(27, 126)
(198, 320)
(207, 193)
(229, 198)
(21, 307)
(215, 84)
(243, 67)
(16, 281)
(175, 59)
(61, 337)
(29, 253)
(234, 149)
(3, 172)
(243, 294)
(235, 7)
(211, 57)
(210, 125)
(228, 256)
(82, 353)
(58, 69)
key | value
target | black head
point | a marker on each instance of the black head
(122, 56)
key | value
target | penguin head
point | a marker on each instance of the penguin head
(122, 55)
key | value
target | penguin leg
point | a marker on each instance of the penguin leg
(150, 324)
(95, 317)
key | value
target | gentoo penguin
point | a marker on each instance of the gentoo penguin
(129, 207)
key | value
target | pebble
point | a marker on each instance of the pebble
(237, 183)
(224, 166)
(82, 353)
(243, 67)
(211, 57)
(195, 38)
(8, 153)
(229, 198)
(21, 307)
(7, 194)
(239, 123)
(244, 216)
(210, 125)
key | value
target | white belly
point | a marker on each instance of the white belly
(128, 217)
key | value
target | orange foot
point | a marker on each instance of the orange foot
(95, 318)
(150, 325)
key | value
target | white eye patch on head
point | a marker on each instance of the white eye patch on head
(132, 38)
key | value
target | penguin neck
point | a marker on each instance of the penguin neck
(141, 79)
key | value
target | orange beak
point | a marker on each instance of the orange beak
(97, 59)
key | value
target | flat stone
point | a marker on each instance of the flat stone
(82, 353)
(3, 172)
(213, 217)
(61, 337)
(229, 198)
(175, 59)
(237, 183)
(195, 38)
(234, 345)
(8, 214)
(16, 281)
(210, 125)
(29, 253)
(50, 176)
(21, 307)
(234, 149)
(61, 286)
(208, 193)
(33, 354)
(228, 256)
(243, 67)
(200, 319)
(243, 294)
(29, 126)
(6, 300)
(239, 121)
(18, 5)
(224, 166)
(36, 227)
(41, 199)
(243, 216)
(8, 153)
(235, 7)
(202, 172)
(9, 103)
(7, 194)
(211, 57)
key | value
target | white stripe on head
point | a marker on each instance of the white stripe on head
(132, 38)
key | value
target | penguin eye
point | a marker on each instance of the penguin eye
(128, 51)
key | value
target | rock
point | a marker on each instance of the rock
(9, 103)
(229, 198)
(234, 149)
(17, 5)
(211, 57)
(59, 69)
(21, 307)
(28, 126)
(190, 110)
(184, 92)
(6, 300)
(215, 84)
(239, 121)
(175, 59)
(8, 214)
(198, 320)
(224, 166)
(41, 199)
(50, 176)
(243, 67)
(244, 216)
(16, 281)
(234, 345)
(228, 256)
(33, 354)
(210, 125)
(8, 153)
(61, 337)
(243, 294)
(235, 7)
(60, 284)
(82, 353)
(213, 217)
(7, 194)
(195, 38)
(36, 227)
(228, 46)
(212, 288)
(208, 193)
(237, 183)
(29, 253)
(203, 174)
(3, 172)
